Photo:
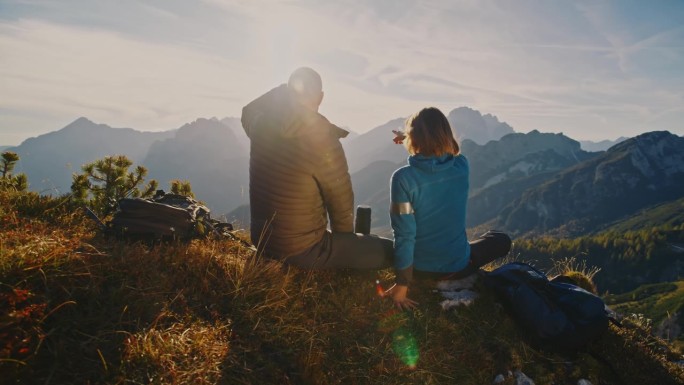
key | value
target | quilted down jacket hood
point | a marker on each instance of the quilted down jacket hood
(279, 112)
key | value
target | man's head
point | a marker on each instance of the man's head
(307, 85)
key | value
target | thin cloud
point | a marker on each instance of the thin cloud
(595, 67)
(58, 66)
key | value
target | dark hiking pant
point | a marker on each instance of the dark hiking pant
(346, 250)
(490, 246)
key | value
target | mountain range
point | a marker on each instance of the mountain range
(639, 172)
(523, 183)
(50, 159)
(540, 183)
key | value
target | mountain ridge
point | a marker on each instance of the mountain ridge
(514, 159)
(633, 174)
(50, 159)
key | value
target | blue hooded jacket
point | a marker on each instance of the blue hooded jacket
(428, 212)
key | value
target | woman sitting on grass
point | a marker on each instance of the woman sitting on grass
(428, 209)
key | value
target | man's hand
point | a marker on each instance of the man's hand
(398, 295)
(399, 137)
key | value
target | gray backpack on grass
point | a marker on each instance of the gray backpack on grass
(164, 217)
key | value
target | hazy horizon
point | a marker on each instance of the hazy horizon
(593, 70)
(214, 117)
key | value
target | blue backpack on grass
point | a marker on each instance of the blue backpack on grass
(554, 314)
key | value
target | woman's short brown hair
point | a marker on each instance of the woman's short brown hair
(428, 133)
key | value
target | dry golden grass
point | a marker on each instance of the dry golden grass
(578, 271)
(184, 352)
(78, 308)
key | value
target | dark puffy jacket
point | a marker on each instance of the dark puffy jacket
(298, 175)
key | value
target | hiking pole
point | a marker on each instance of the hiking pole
(94, 217)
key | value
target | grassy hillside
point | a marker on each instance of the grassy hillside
(78, 308)
(665, 214)
(627, 259)
(661, 303)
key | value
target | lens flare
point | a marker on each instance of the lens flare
(405, 347)
(404, 344)
(378, 288)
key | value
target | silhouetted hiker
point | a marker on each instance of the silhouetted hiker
(428, 209)
(298, 178)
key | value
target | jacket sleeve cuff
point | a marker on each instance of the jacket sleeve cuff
(404, 276)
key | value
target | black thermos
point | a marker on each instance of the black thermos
(362, 224)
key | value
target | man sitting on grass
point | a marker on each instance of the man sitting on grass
(298, 178)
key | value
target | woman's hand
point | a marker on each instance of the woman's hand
(398, 295)
(399, 137)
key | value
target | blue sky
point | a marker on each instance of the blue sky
(590, 69)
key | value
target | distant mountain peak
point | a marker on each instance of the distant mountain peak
(81, 122)
(534, 140)
(602, 145)
(465, 109)
(203, 124)
(84, 125)
(394, 122)
(645, 140)
(49, 160)
(469, 123)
